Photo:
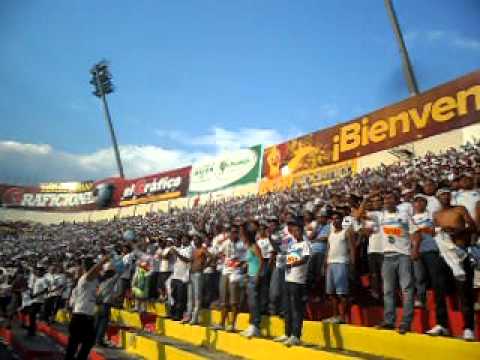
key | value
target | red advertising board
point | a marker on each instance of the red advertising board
(99, 195)
(162, 186)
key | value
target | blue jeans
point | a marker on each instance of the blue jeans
(295, 309)
(101, 322)
(277, 294)
(253, 295)
(196, 283)
(265, 287)
(399, 267)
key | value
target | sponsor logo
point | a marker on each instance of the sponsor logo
(362, 133)
(157, 185)
(18, 197)
(222, 171)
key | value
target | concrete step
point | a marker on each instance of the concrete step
(231, 343)
(355, 340)
(39, 347)
(154, 346)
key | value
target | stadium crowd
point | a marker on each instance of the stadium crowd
(408, 226)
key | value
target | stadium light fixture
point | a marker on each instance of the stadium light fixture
(102, 83)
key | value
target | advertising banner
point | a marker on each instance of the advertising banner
(162, 186)
(315, 177)
(449, 106)
(62, 196)
(229, 169)
(34, 198)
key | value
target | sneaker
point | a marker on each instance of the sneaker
(185, 320)
(331, 320)
(217, 327)
(193, 322)
(476, 306)
(403, 329)
(281, 338)
(468, 335)
(385, 326)
(247, 331)
(438, 330)
(292, 341)
(418, 304)
(252, 331)
(230, 328)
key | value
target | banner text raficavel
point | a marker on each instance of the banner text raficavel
(361, 133)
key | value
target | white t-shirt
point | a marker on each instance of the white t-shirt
(310, 228)
(5, 287)
(295, 252)
(284, 242)
(128, 261)
(467, 198)
(433, 205)
(166, 265)
(406, 207)
(394, 228)
(84, 296)
(337, 247)
(217, 241)
(234, 252)
(37, 285)
(56, 282)
(421, 221)
(265, 247)
(181, 269)
(375, 240)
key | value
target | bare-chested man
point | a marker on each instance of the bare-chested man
(456, 222)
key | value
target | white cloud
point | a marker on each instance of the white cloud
(451, 38)
(465, 43)
(30, 163)
(33, 149)
(434, 35)
(23, 163)
(221, 140)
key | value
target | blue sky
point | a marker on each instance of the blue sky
(197, 77)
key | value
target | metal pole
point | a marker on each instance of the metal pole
(407, 66)
(108, 119)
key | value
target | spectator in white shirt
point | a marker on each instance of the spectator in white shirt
(397, 263)
(181, 277)
(297, 257)
(340, 255)
(167, 259)
(266, 248)
(55, 282)
(429, 189)
(83, 300)
(467, 196)
(38, 288)
(234, 252)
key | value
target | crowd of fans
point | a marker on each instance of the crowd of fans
(412, 225)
